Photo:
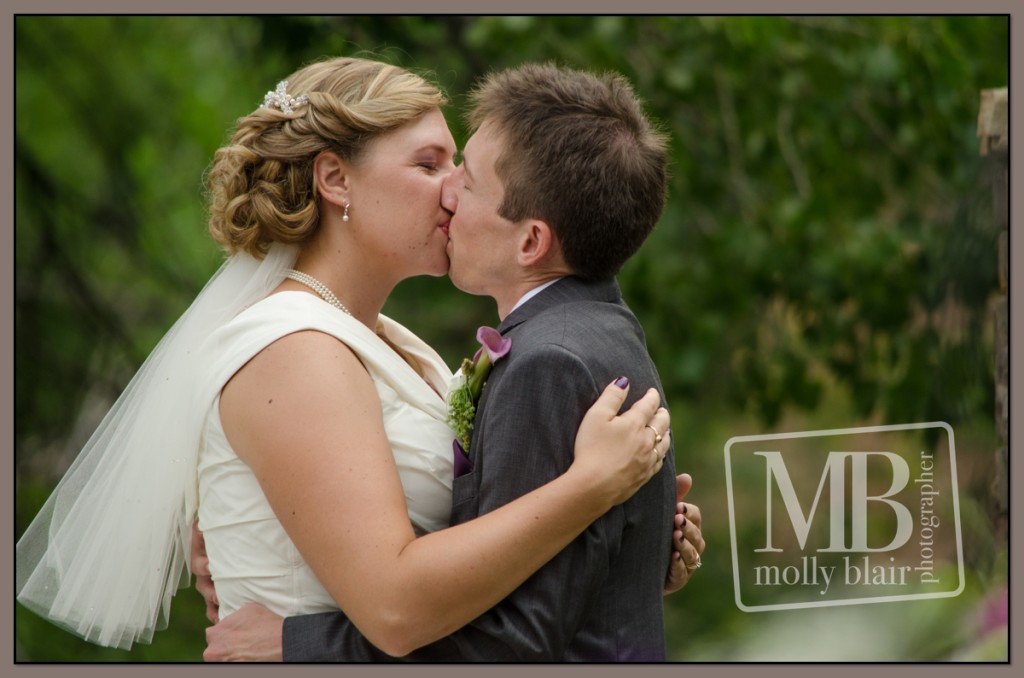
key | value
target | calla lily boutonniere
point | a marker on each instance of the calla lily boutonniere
(466, 389)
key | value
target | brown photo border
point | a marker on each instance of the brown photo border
(738, 7)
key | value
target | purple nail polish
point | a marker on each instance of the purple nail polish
(622, 382)
(684, 509)
(684, 523)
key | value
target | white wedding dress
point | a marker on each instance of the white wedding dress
(251, 557)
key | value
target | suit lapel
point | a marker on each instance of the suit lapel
(565, 291)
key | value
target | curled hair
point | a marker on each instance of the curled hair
(578, 153)
(260, 186)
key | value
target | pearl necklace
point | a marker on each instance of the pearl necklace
(318, 287)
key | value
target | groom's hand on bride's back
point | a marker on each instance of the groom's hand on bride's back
(252, 634)
(201, 569)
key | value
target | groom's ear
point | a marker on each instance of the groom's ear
(538, 246)
(332, 178)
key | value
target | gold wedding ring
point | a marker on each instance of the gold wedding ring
(696, 564)
(657, 436)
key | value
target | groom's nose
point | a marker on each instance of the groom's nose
(449, 196)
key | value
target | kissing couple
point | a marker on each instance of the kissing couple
(339, 519)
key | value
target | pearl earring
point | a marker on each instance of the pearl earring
(344, 217)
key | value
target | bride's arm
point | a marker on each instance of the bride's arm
(305, 416)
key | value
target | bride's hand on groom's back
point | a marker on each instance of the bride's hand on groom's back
(621, 452)
(687, 538)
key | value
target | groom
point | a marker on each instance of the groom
(559, 185)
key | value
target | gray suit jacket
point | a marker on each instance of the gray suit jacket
(600, 599)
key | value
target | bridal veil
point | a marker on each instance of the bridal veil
(110, 546)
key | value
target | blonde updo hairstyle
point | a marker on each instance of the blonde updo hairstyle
(260, 185)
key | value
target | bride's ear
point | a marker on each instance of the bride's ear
(331, 174)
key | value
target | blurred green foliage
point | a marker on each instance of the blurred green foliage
(826, 256)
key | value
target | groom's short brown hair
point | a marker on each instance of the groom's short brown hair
(579, 154)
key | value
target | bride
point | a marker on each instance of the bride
(307, 429)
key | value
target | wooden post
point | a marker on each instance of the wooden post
(994, 136)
